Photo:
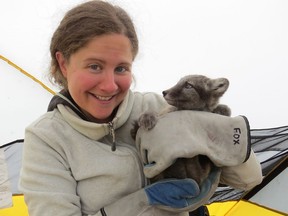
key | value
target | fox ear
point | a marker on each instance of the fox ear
(209, 85)
(219, 86)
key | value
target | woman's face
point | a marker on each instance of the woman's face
(99, 75)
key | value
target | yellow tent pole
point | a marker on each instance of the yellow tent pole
(27, 74)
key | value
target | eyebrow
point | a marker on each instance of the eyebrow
(103, 62)
(93, 59)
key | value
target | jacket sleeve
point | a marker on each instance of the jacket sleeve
(244, 176)
(46, 181)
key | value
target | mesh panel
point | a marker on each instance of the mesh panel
(270, 146)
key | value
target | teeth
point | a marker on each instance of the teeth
(103, 98)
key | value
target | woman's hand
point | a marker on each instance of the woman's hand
(173, 193)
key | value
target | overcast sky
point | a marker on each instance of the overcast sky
(245, 41)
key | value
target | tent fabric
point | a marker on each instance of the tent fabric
(276, 174)
(5, 190)
(13, 159)
(19, 207)
(271, 147)
(275, 141)
(240, 208)
(13, 155)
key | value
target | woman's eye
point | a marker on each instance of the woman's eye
(94, 67)
(120, 69)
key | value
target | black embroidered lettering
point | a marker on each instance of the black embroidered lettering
(236, 141)
(237, 130)
(236, 136)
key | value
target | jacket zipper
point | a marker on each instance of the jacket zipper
(112, 133)
(135, 152)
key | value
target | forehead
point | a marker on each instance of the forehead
(110, 41)
(107, 46)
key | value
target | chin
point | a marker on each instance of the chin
(99, 117)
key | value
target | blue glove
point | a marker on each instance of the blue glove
(174, 193)
(182, 195)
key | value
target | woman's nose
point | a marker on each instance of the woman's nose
(108, 82)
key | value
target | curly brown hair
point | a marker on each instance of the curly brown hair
(81, 24)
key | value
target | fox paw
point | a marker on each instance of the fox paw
(148, 120)
(222, 110)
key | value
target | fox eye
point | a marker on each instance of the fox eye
(188, 85)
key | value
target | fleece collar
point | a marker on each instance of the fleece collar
(73, 115)
(64, 97)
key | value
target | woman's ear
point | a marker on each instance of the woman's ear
(62, 63)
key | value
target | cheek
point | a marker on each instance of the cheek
(81, 81)
(125, 83)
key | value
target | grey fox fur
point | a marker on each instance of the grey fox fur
(192, 92)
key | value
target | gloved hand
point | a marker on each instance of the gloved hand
(178, 195)
(185, 134)
(174, 193)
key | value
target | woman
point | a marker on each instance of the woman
(69, 167)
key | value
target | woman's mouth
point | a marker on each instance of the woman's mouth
(103, 98)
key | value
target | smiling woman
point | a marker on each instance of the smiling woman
(99, 75)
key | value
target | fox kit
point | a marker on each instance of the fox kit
(192, 92)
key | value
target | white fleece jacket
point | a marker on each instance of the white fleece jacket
(70, 170)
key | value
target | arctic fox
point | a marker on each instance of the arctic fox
(192, 92)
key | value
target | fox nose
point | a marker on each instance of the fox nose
(164, 93)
